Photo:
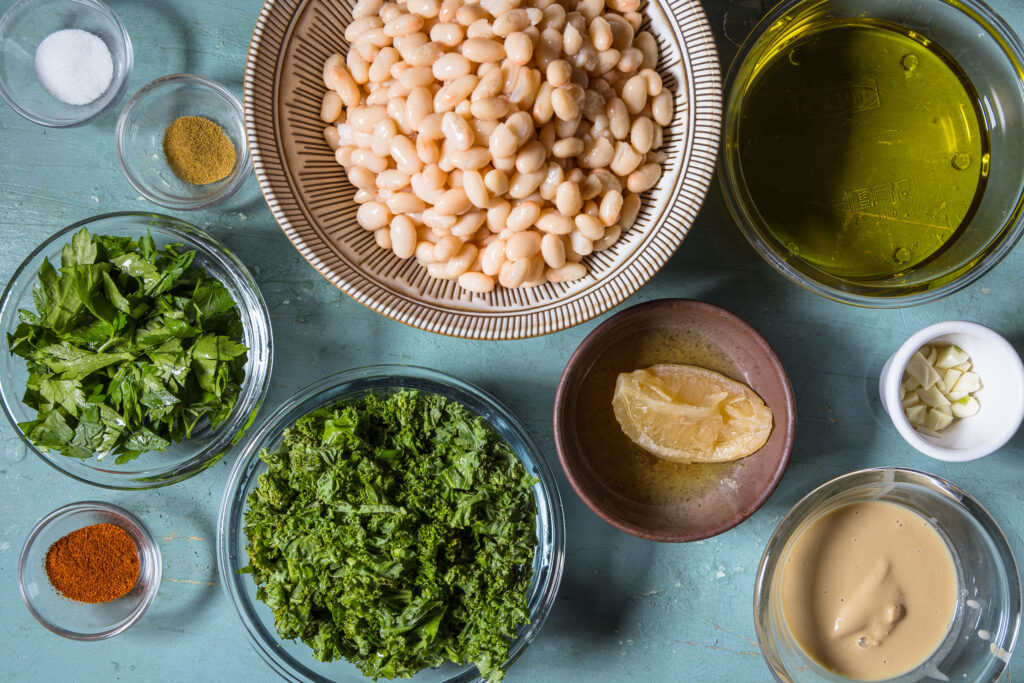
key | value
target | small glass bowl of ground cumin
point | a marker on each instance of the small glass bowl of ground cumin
(181, 142)
(89, 570)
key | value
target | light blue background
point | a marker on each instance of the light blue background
(628, 609)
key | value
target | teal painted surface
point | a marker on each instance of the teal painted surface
(628, 609)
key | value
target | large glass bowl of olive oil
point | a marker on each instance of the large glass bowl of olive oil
(874, 150)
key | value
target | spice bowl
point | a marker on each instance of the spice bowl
(986, 617)
(25, 25)
(1001, 395)
(82, 620)
(141, 130)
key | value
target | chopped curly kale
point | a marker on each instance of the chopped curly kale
(397, 532)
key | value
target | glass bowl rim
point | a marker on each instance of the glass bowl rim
(203, 241)
(742, 212)
(149, 547)
(129, 64)
(817, 500)
(275, 423)
(243, 166)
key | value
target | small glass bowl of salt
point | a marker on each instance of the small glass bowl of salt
(62, 62)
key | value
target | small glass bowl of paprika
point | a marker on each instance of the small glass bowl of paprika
(181, 142)
(89, 570)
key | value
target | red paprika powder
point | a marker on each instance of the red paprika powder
(97, 563)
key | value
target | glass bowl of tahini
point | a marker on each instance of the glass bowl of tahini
(181, 142)
(887, 574)
(872, 148)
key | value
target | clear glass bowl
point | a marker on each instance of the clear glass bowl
(140, 139)
(25, 25)
(79, 620)
(181, 460)
(292, 659)
(987, 616)
(992, 57)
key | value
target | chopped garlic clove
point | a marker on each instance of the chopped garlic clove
(911, 399)
(930, 355)
(950, 356)
(969, 382)
(950, 377)
(937, 420)
(916, 414)
(963, 367)
(965, 407)
(932, 397)
(921, 370)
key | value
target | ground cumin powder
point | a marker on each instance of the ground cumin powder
(97, 563)
(198, 151)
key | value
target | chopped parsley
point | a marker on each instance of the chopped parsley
(128, 349)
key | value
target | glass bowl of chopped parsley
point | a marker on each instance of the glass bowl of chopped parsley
(391, 521)
(138, 350)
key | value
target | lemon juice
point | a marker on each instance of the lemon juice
(863, 147)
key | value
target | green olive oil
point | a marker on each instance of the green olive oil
(863, 147)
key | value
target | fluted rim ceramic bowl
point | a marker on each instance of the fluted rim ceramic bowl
(311, 198)
(205, 447)
(78, 620)
(991, 55)
(140, 137)
(25, 25)
(986, 620)
(1001, 395)
(633, 490)
(293, 660)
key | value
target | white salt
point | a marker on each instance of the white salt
(74, 66)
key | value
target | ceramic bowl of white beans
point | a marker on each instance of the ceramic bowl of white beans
(492, 169)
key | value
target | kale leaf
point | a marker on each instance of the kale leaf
(129, 348)
(397, 532)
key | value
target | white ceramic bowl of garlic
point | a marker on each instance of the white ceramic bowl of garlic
(1000, 397)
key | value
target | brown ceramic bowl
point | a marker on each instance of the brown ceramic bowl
(633, 490)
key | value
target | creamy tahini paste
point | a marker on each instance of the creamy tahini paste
(869, 590)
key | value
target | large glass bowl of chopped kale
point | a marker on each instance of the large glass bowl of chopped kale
(391, 522)
(137, 350)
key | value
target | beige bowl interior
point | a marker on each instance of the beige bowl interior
(312, 200)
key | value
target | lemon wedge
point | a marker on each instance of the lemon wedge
(690, 414)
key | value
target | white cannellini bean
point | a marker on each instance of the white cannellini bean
(589, 227)
(403, 237)
(462, 261)
(568, 199)
(457, 131)
(524, 215)
(373, 215)
(513, 273)
(644, 178)
(553, 250)
(554, 223)
(476, 190)
(523, 245)
(611, 236)
(476, 282)
(662, 108)
(453, 202)
(567, 273)
(482, 50)
(630, 210)
(493, 257)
